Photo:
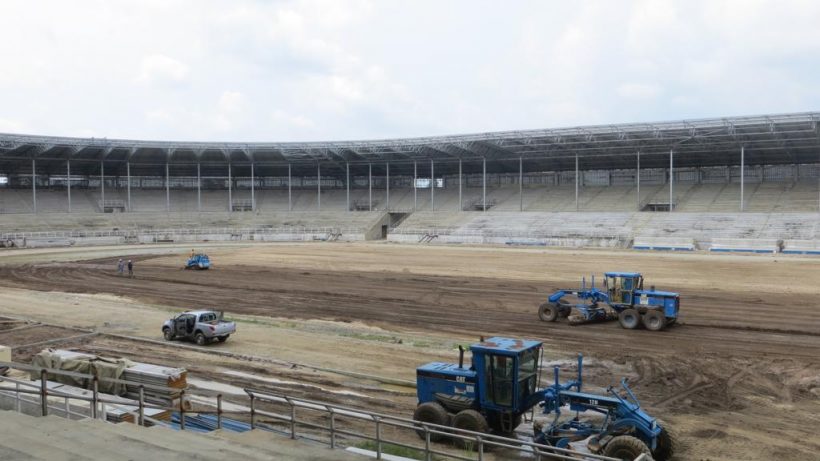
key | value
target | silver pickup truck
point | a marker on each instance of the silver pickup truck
(200, 326)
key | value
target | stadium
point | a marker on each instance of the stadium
(348, 264)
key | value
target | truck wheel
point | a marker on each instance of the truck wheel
(200, 339)
(626, 447)
(666, 443)
(433, 413)
(629, 319)
(167, 333)
(654, 320)
(470, 420)
(548, 312)
(222, 339)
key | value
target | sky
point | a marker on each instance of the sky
(339, 70)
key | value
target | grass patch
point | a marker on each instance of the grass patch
(373, 337)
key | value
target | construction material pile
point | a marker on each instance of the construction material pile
(169, 382)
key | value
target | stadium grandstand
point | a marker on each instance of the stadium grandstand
(747, 183)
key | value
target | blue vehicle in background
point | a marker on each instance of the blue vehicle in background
(623, 298)
(198, 261)
(492, 394)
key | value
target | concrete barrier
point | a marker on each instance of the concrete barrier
(744, 245)
(663, 244)
(801, 247)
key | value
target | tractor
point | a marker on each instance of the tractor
(623, 297)
(502, 384)
(198, 261)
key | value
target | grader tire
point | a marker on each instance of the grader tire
(433, 413)
(548, 312)
(667, 443)
(470, 420)
(629, 319)
(654, 320)
(626, 447)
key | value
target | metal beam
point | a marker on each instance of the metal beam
(415, 187)
(520, 183)
(742, 175)
(576, 182)
(253, 190)
(347, 182)
(369, 187)
(484, 184)
(638, 181)
(230, 189)
(167, 188)
(102, 184)
(128, 185)
(34, 184)
(198, 187)
(290, 196)
(432, 186)
(318, 186)
(671, 179)
(460, 180)
(68, 182)
(387, 186)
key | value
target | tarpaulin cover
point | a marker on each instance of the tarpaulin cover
(100, 367)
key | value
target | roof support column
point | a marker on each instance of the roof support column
(198, 186)
(387, 185)
(671, 179)
(432, 186)
(167, 188)
(638, 182)
(128, 179)
(484, 184)
(68, 182)
(318, 186)
(253, 190)
(230, 189)
(369, 187)
(415, 186)
(460, 180)
(34, 185)
(576, 182)
(102, 183)
(347, 182)
(742, 175)
(520, 183)
(290, 196)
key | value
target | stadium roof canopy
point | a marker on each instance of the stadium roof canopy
(767, 139)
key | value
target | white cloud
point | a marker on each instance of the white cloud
(639, 90)
(158, 68)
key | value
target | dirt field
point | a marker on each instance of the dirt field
(739, 377)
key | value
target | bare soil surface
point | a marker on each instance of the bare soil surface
(739, 377)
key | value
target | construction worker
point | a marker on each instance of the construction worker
(130, 268)
(120, 266)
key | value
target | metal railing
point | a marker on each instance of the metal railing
(338, 422)
(180, 231)
(476, 444)
(564, 232)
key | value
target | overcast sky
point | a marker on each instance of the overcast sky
(316, 70)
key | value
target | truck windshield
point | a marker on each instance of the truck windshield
(527, 374)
